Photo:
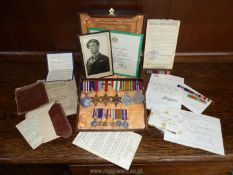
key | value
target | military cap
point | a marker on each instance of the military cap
(91, 41)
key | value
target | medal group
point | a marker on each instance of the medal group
(98, 96)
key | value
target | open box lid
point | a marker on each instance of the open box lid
(122, 21)
(125, 21)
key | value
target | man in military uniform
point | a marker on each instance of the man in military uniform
(97, 63)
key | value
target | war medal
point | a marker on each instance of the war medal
(138, 98)
(85, 101)
(126, 99)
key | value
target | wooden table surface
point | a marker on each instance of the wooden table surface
(212, 78)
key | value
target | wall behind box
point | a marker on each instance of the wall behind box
(26, 25)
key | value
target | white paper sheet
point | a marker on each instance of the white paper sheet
(195, 105)
(60, 66)
(160, 46)
(30, 130)
(45, 123)
(116, 147)
(64, 92)
(199, 131)
(162, 91)
(166, 120)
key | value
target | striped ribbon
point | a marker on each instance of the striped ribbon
(150, 71)
(125, 85)
(120, 114)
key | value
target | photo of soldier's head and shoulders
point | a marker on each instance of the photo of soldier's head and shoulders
(98, 62)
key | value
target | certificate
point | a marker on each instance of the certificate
(160, 46)
(126, 51)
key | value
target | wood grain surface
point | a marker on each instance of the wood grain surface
(213, 79)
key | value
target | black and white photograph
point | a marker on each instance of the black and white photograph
(97, 54)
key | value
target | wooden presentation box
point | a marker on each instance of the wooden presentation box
(121, 21)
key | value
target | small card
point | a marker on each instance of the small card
(166, 120)
(60, 122)
(30, 130)
(30, 97)
(60, 67)
(160, 46)
(193, 100)
(116, 147)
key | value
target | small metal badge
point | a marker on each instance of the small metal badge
(111, 11)
(126, 99)
(138, 98)
(85, 101)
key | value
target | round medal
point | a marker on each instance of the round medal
(118, 123)
(126, 99)
(138, 98)
(125, 124)
(94, 123)
(85, 101)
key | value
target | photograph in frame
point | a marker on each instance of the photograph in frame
(97, 54)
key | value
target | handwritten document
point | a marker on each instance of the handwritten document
(30, 130)
(199, 131)
(116, 147)
(45, 123)
(60, 66)
(65, 93)
(162, 91)
(160, 46)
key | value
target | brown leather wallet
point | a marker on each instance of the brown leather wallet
(60, 122)
(30, 97)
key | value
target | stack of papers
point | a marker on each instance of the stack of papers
(46, 104)
(164, 97)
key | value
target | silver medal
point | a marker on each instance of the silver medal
(126, 99)
(138, 98)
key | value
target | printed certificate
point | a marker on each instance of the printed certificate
(160, 46)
